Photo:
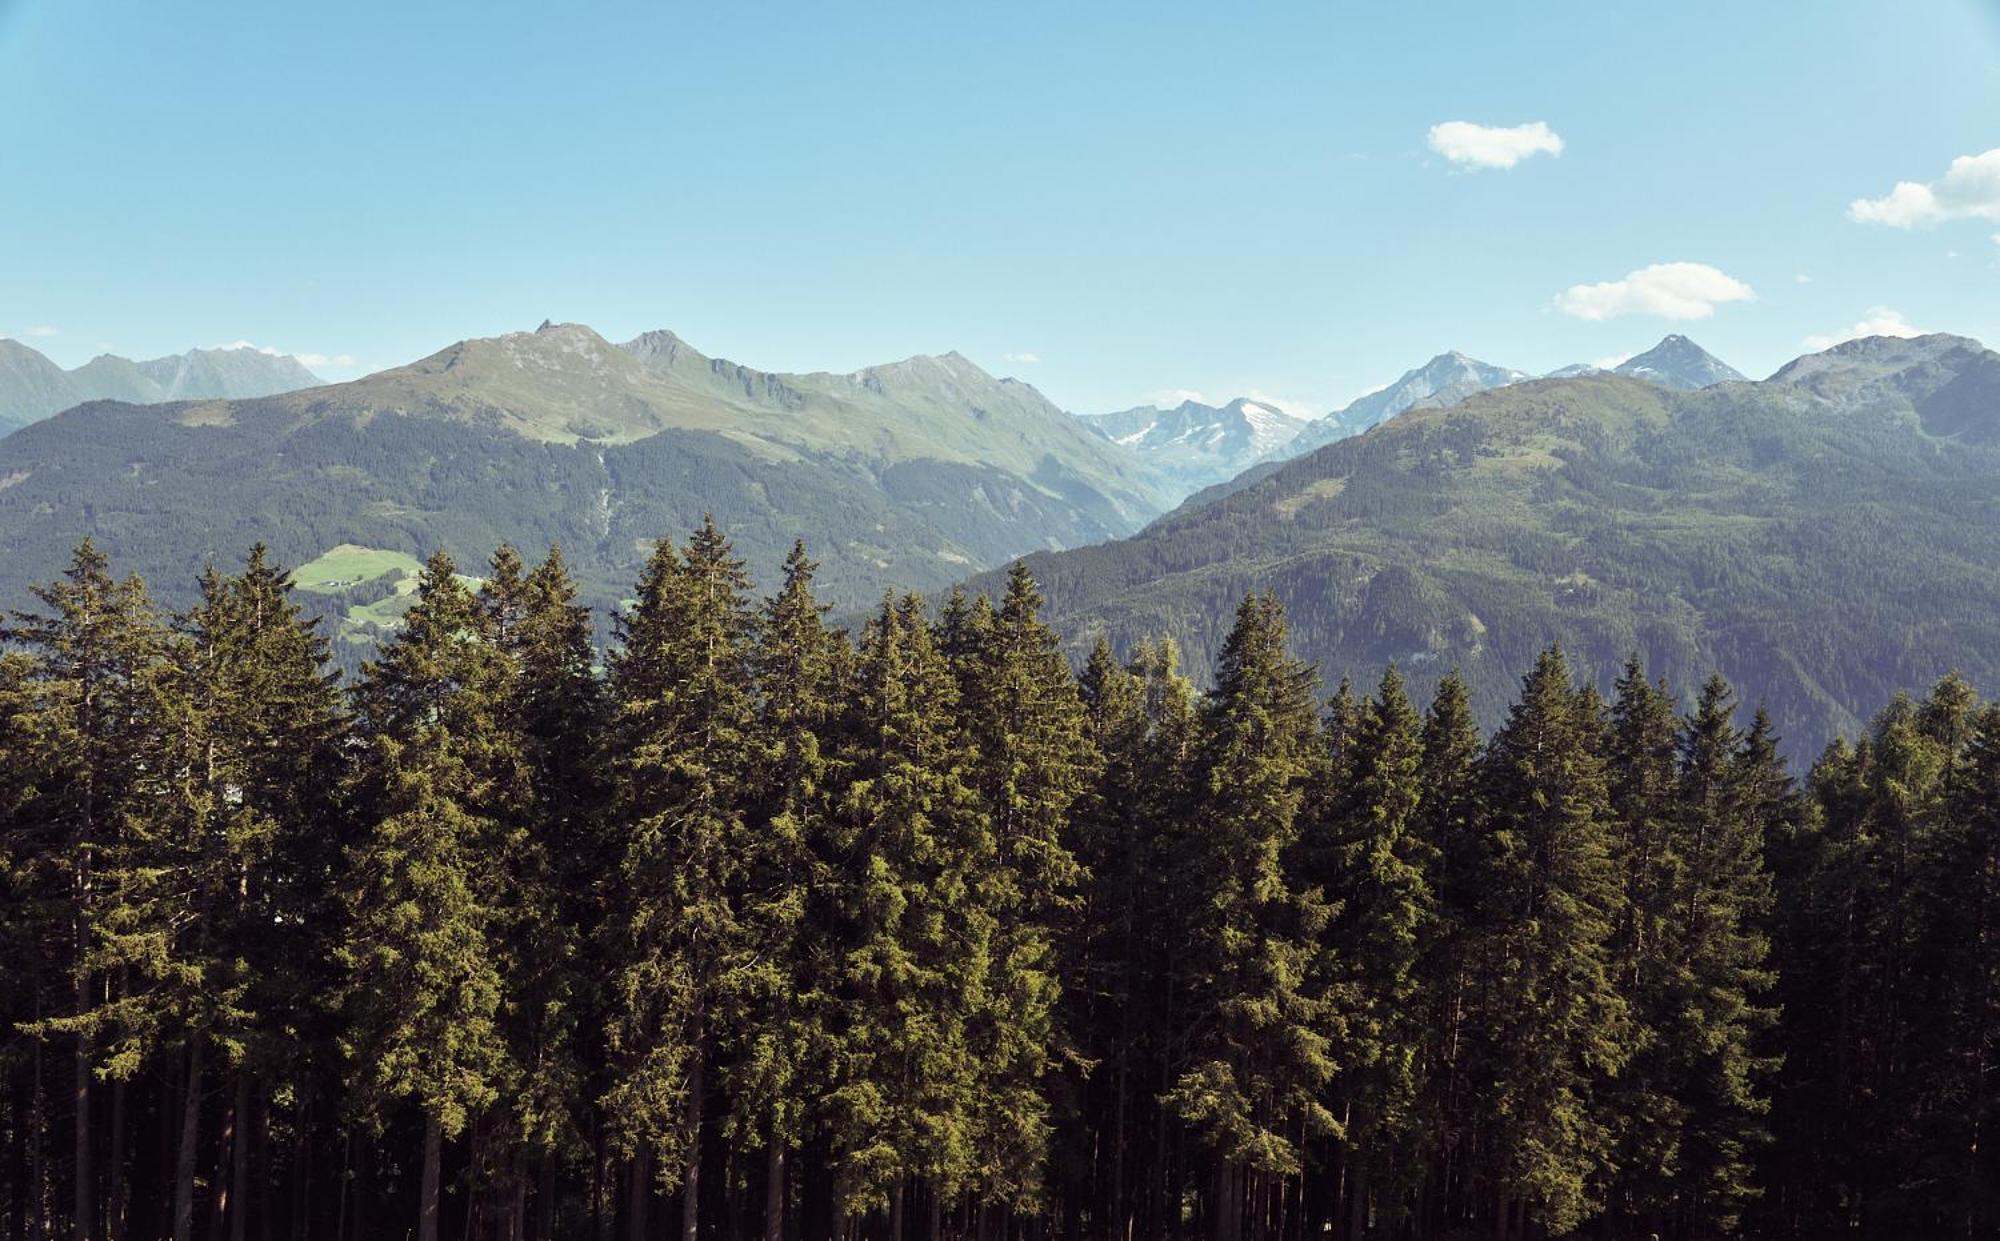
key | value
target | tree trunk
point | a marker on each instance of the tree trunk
(1357, 1204)
(184, 1159)
(774, 1190)
(39, 1227)
(85, 1210)
(641, 1192)
(117, 1201)
(545, 1201)
(691, 1173)
(224, 1199)
(1226, 1210)
(239, 1159)
(427, 1202)
(264, 1167)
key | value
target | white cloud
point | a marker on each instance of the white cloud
(1493, 146)
(1611, 361)
(1022, 359)
(1297, 409)
(43, 329)
(1171, 397)
(303, 359)
(1879, 321)
(1801, 278)
(1969, 190)
(1664, 290)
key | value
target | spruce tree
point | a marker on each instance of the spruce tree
(1169, 784)
(1379, 876)
(1263, 1034)
(1965, 1020)
(1556, 1029)
(1106, 997)
(1451, 823)
(681, 727)
(422, 957)
(777, 976)
(548, 800)
(1705, 999)
(1642, 752)
(251, 724)
(88, 730)
(1033, 761)
(916, 935)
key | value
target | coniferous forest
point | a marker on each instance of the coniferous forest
(743, 929)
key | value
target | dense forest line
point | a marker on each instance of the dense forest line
(759, 931)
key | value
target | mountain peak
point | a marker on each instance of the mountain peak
(1195, 444)
(1677, 362)
(663, 347)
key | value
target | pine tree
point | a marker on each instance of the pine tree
(234, 868)
(1104, 988)
(1451, 822)
(424, 987)
(1965, 1016)
(1168, 786)
(1265, 1035)
(549, 800)
(777, 975)
(917, 935)
(1034, 760)
(1555, 1026)
(681, 702)
(88, 730)
(1719, 956)
(1642, 752)
(1380, 878)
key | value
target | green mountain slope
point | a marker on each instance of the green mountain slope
(908, 475)
(1823, 538)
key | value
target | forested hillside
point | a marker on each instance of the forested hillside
(911, 475)
(763, 931)
(1823, 538)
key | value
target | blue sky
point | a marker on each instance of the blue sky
(1110, 201)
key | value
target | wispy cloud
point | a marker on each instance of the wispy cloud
(342, 360)
(1879, 321)
(43, 329)
(1663, 290)
(1297, 409)
(1022, 359)
(1968, 190)
(1168, 398)
(1493, 146)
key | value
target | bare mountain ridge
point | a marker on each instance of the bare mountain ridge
(32, 387)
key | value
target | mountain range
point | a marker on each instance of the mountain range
(1196, 445)
(907, 475)
(1824, 538)
(32, 387)
(1733, 525)
(1444, 380)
